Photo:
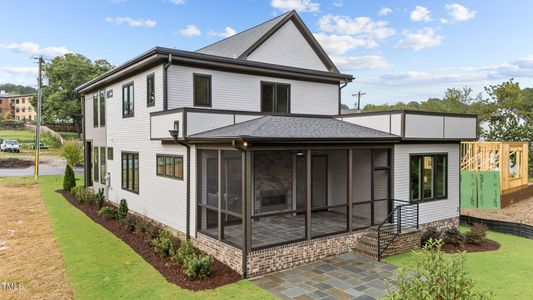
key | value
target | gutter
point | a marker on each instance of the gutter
(340, 89)
(165, 82)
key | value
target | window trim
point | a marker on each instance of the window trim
(110, 151)
(275, 97)
(148, 77)
(96, 111)
(127, 172)
(103, 164)
(96, 164)
(446, 169)
(158, 155)
(209, 92)
(102, 100)
(131, 83)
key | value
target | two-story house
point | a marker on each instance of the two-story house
(241, 147)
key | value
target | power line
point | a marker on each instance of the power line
(358, 103)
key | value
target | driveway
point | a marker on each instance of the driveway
(347, 276)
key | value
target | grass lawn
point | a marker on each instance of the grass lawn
(28, 137)
(69, 135)
(508, 272)
(101, 266)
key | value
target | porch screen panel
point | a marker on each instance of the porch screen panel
(231, 181)
(381, 195)
(361, 182)
(208, 192)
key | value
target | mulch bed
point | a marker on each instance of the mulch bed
(13, 162)
(487, 245)
(221, 274)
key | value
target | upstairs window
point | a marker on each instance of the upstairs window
(102, 108)
(428, 177)
(202, 90)
(127, 101)
(150, 90)
(275, 97)
(95, 110)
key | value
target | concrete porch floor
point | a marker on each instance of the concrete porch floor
(346, 276)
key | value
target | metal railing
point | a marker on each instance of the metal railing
(404, 215)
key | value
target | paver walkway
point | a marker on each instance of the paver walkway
(347, 276)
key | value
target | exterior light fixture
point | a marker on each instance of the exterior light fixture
(174, 133)
(245, 144)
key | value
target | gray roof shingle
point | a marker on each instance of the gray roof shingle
(295, 127)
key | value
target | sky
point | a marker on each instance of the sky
(397, 50)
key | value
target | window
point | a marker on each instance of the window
(17, 109)
(30, 109)
(275, 97)
(95, 110)
(428, 177)
(110, 153)
(150, 90)
(130, 171)
(170, 166)
(102, 107)
(103, 169)
(202, 90)
(127, 101)
(23, 100)
(96, 165)
(17, 101)
(23, 109)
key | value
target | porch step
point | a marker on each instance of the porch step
(367, 245)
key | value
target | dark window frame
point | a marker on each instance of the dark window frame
(102, 107)
(103, 164)
(123, 180)
(110, 153)
(209, 89)
(275, 96)
(96, 110)
(164, 174)
(433, 173)
(150, 89)
(96, 164)
(131, 100)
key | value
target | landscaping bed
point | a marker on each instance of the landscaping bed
(454, 241)
(13, 162)
(486, 245)
(220, 273)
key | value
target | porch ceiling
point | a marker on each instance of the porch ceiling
(294, 128)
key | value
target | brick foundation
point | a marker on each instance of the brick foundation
(405, 242)
(225, 253)
(442, 225)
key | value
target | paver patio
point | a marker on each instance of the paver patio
(347, 276)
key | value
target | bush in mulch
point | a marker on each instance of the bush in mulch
(196, 272)
(477, 234)
(454, 241)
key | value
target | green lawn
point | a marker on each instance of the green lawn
(28, 137)
(508, 272)
(101, 266)
(69, 135)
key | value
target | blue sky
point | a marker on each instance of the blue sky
(397, 50)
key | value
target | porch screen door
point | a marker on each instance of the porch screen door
(319, 175)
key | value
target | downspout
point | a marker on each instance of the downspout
(188, 209)
(340, 89)
(237, 146)
(165, 82)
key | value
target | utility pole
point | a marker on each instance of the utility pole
(38, 119)
(358, 104)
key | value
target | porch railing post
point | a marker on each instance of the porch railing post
(219, 195)
(399, 219)
(417, 215)
(350, 189)
(308, 194)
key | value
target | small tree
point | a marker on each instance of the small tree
(73, 153)
(436, 276)
(122, 210)
(69, 180)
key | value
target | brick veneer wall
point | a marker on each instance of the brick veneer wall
(442, 225)
(265, 261)
(405, 242)
(225, 253)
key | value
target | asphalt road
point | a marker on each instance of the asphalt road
(44, 170)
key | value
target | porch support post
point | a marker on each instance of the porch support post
(372, 187)
(244, 213)
(308, 194)
(219, 195)
(350, 189)
(249, 201)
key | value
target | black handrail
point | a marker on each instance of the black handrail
(398, 210)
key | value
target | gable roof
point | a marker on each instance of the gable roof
(294, 128)
(240, 45)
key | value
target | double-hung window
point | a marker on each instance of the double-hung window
(95, 109)
(275, 97)
(96, 165)
(103, 164)
(101, 98)
(169, 166)
(428, 176)
(130, 171)
(202, 90)
(127, 100)
(150, 90)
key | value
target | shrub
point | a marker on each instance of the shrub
(185, 252)
(73, 153)
(477, 234)
(430, 233)
(69, 180)
(131, 223)
(86, 196)
(164, 243)
(147, 228)
(436, 276)
(107, 213)
(198, 266)
(453, 236)
(99, 199)
(75, 191)
(122, 210)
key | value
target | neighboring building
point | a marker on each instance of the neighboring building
(18, 106)
(241, 146)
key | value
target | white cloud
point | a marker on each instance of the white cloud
(423, 38)
(363, 26)
(420, 14)
(337, 3)
(384, 11)
(19, 70)
(339, 44)
(297, 5)
(444, 21)
(228, 31)
(131, 22)
(190, 30)
(19, 75)
(460, 13)
(31, 48)
(361, 62)
(177, 2)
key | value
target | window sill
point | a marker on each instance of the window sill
(133, 192)
(429, 200)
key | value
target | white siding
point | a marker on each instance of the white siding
(288, 47)
(456, 127)
(161, 124)
(424, 126)
(391, 123)
(233, 91)
(434, 210)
